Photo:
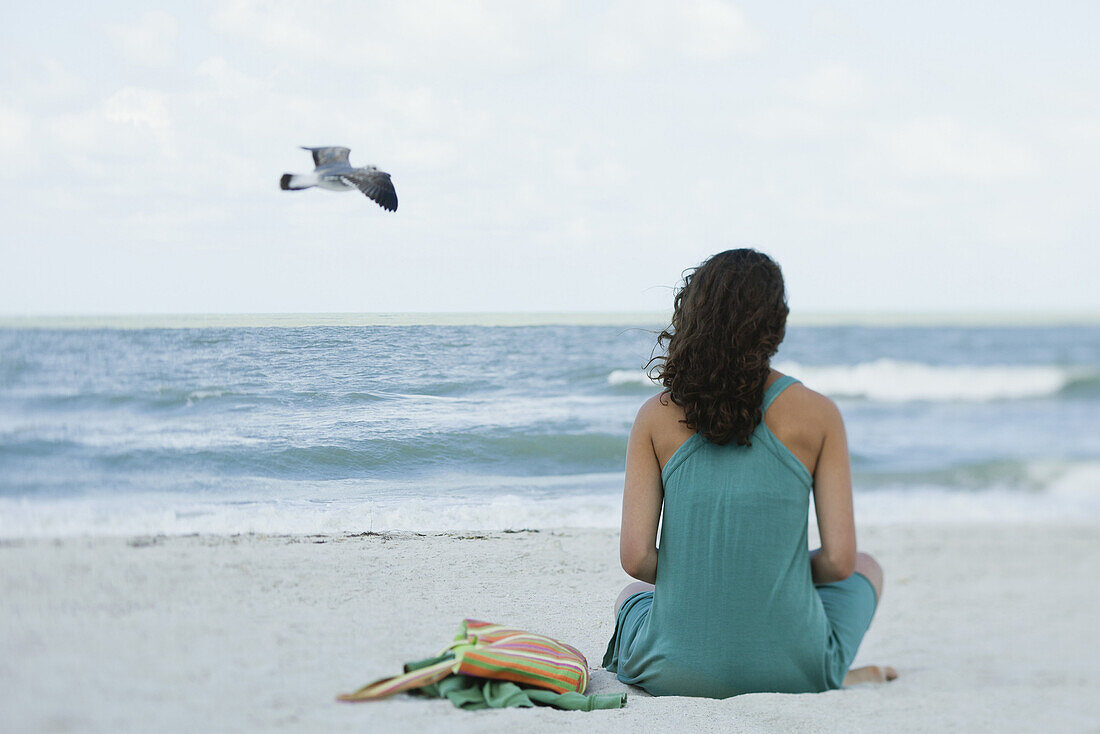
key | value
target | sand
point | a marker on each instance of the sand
(991, 626)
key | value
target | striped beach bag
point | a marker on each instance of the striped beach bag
(486, 650)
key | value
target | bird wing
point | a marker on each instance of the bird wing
(329, 156)
(376, 185)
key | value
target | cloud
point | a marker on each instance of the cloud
(712, 30)
(151, 40)
(290, 27)
(113, 147)
(16, 150)
(786, 124)
(830, 21)
(633, 35)
(14, 126)
(942, 146)
(831, 85)
(414, 34)
(137, 107)
(470, 35)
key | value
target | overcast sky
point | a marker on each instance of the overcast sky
(548, 156)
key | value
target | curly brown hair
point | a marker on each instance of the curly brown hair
(727, 322)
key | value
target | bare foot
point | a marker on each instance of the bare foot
(870, 674)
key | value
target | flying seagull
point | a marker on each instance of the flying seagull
(333, 172)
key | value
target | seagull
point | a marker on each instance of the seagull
(333, 172)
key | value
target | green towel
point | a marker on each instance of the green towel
(472, 693)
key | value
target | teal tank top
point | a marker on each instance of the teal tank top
(734, 609)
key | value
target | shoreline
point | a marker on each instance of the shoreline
(1068, 500)
(989, 625)
(150, 538)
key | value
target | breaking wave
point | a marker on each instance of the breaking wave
(888, 380)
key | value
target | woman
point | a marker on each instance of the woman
(734, 601)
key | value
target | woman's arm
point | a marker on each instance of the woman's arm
(836, 559)
(642, 497)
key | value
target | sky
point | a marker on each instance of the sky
(548, 156)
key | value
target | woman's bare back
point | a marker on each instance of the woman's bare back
(795, 418)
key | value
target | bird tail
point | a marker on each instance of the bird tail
(295, 182)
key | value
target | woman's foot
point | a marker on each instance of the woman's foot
(870, 674)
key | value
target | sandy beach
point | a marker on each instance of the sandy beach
(991, 626)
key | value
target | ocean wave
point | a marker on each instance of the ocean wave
(630, 377)
(1070, 494)
(1020, 476)
(212, 399)
(888, 380)
(161, 398)
(523, 452)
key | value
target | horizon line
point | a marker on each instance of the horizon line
(526, 318)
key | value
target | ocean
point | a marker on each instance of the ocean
(235, 428)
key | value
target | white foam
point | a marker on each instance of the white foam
(937, 505)
(629, 377)
(1066, 480)
(76, 517)
(895, 381)
(196, 395)
(889, 380)
(1064, 493)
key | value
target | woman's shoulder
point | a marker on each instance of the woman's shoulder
(660, 411)
(806, 402)
(662, 421)
(801, 418)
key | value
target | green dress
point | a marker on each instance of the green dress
(735, 609)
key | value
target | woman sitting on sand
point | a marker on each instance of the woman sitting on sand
(734, 601)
